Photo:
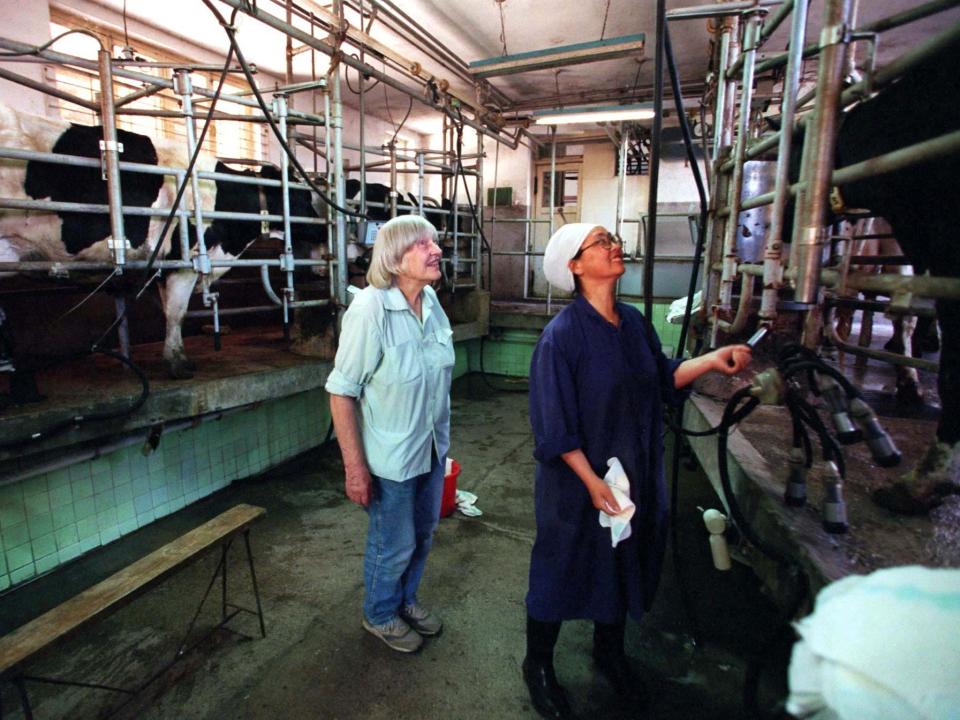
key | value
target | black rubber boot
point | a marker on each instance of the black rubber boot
(613, 664)
(547, 696)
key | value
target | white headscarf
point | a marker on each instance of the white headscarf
(563, 245)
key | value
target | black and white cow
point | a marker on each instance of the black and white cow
(919, 202)
(379, 193)
(66, 236)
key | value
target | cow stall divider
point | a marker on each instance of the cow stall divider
(737, 70)
(742, 28)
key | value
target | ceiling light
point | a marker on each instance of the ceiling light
(608, 113)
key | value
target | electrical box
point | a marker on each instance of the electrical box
(503, 195)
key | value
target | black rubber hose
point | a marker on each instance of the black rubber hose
(655, 145)
(291, 155)
(78, 420)
(701, 190)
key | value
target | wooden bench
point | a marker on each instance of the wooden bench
(28, 641)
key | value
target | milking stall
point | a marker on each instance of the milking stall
(642, 318)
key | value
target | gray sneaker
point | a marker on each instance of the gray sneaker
(421, 619)
(396, 634)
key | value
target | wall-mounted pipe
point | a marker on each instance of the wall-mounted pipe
(773, 250)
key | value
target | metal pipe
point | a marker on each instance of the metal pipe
(420, 172)
(57, 206)
(621, 179)
(184, 88)
(280, 111)
(47, 89)
(110, 154)
(809, 235)
(750, 37)
(889, 357)
(775, 19)
(337, 124)
(553, 194)
(67, 458)
(773, 250)
(719, 111)
(478, 230)
(718, 10)
(393, 179)
(64, 59)
(344, 59)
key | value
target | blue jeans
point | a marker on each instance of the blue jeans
(403, 516)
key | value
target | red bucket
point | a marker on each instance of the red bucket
(448, 501)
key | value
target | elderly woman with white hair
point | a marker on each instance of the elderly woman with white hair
(598, 378)
(390, 403)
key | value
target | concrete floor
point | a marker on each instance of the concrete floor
(317, 662)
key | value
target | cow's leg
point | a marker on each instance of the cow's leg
(908, 381)
(938, 472)
(175, 296)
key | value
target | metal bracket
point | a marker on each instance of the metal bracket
(287, 263)
(201, 264)
(832, 35)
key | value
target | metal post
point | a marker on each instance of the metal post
(809, 234)
(393, 178)
(750, 37)
(110, 152)
(455, 217)
(773, 251)
(553, 194)
(253, 581)
(478, 220)
(337, 124)
(286, 264)
(363, 113)
(420, 182)
(184, 88)
(622, 178)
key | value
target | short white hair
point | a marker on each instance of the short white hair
(393, 240)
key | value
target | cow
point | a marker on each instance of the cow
(436, 213)
(904, 326)
(68, 236)
(917, 202)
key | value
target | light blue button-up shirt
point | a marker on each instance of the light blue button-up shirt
(399, 368)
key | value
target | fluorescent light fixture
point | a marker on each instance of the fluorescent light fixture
(608, 113)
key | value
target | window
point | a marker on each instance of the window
(567, 190)
(225, 138)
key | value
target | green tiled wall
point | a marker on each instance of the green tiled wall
(52, 518)
(509, 352)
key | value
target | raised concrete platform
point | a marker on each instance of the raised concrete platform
(758, 451)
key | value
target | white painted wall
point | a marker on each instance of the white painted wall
(29, 27)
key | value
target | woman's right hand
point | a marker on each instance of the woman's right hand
(358, 484)
(602, 497)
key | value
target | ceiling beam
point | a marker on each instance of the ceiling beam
(618, 47)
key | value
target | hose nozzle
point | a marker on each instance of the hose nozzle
(834, 507)
(882, 447)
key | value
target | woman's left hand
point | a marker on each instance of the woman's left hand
(731, 359)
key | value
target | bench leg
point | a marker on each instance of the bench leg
(221, 567)
(253, 578)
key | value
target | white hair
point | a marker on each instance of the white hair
(393, 240)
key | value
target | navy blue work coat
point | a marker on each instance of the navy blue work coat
(597, 387)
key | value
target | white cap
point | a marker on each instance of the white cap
(563, 245)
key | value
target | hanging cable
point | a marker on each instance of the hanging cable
(248, 73)
(77, 420)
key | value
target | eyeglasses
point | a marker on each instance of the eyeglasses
(606, 241)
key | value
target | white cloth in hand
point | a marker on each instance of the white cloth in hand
(619, 524)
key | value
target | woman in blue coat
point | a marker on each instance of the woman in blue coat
(598, 379)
